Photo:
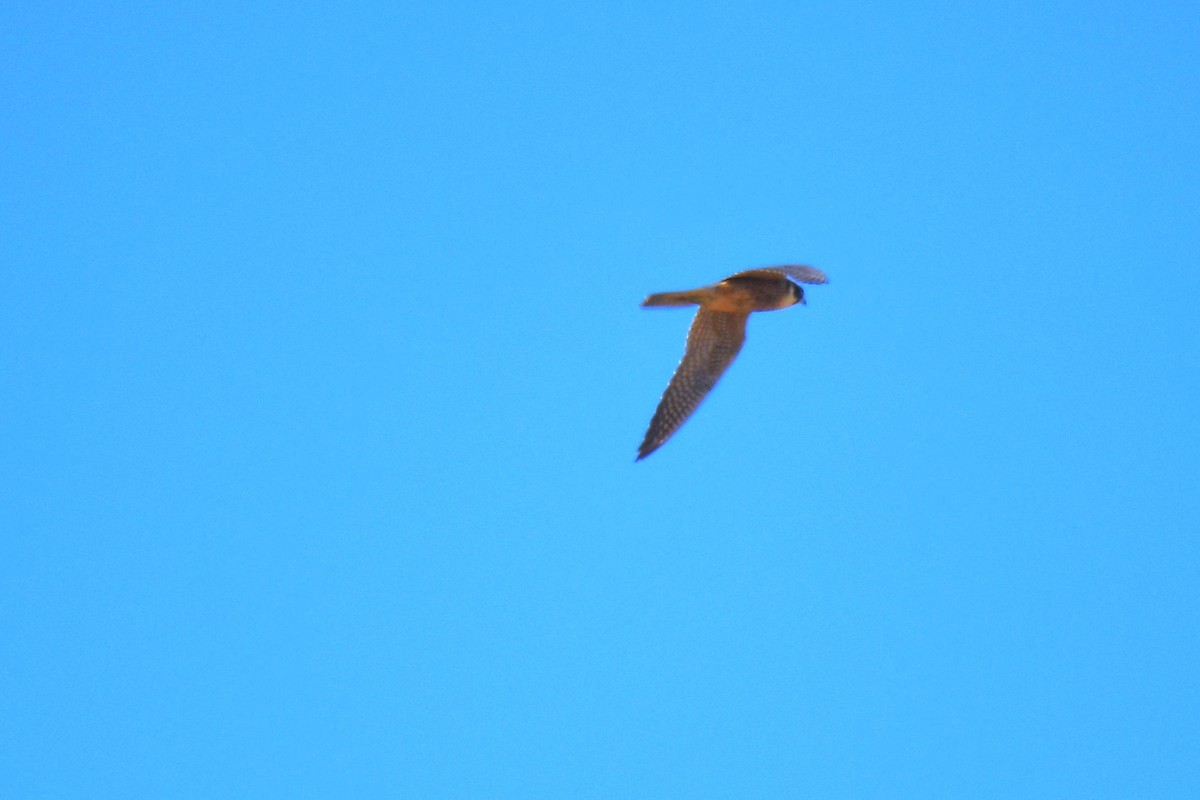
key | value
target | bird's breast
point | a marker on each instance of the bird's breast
(744, 296)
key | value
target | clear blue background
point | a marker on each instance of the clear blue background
(324, 371)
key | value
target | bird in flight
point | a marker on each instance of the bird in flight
(716, 336)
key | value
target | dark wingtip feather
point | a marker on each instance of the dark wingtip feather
(805, 274)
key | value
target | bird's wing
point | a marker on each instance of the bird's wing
(713, 341)
(800, 273)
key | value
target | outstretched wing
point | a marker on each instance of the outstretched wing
(797, 272)
(713, 341)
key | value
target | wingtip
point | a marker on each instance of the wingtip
(814, 276)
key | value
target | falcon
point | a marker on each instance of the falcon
(716, 336)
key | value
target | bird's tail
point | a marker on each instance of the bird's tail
(688, 298)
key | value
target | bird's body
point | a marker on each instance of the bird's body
(716, 336)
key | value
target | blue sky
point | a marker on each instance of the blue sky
(324, 373)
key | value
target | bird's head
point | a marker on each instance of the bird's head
(797, 293)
